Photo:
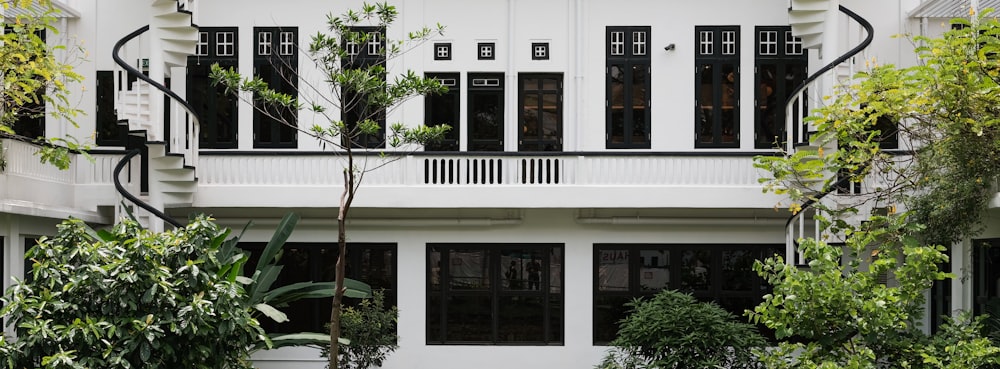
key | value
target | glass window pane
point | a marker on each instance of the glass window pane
(737, 270)
(612, 273)
(706, 103)
(486, 121)
(555, 318)
(730, 98)
(616, 75)
(550, 84)
(767, 105)
(521, 319)
(654, 274)
(434, 260)
(695, 270)
(469, 319)
(638, 123)
(434, 319)
(555, 270)
(529, 114)
(468, 269)
(608, 310)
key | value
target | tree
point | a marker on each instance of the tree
(354, 84)
(130, 298)
(857, 305)
(674, 330)
(33, 77)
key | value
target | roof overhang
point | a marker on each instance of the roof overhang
(63, 10)
(950, 8)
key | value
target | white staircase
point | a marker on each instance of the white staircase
(808, 19)
(813, 21)
(162, 117)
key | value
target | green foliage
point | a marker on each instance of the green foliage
(33, 76)
(130, 298)
(949, 122)
(372, 329)
(674, 330)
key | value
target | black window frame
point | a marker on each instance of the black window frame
(553, 303)
(362, 58)
(604, 314)
(717, 59)
(280, 71)
(432, 105)
(109, 132)
(479, 87)
(486, 50)
(524, 141)
(323, 256)
(198, 69)
(788, 59)
(31, 114)
(442, 51)
(630, 55)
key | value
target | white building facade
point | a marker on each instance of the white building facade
(601, 150)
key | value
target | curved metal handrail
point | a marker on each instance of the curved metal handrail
(131, 71)
(121, 189)
(808, 81)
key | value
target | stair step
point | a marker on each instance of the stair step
(810, 5)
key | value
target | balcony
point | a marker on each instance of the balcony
(29, 187)
(466, 180)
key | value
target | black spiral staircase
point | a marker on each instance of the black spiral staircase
(163, 126)
(809, 19)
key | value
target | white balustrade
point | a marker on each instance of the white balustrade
(482, 170)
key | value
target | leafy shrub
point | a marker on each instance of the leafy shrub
(131, 298)
(371, 329)
(674, 330)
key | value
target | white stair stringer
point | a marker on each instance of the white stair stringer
(170, 178)
(808, 21)
(173, 25)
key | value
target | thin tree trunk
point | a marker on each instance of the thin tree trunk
(346, 197)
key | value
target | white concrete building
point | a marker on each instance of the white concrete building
(514, 243)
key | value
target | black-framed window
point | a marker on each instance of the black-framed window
(717, 86)
(540, 119)
(215, 107)
(539, 51)
(486, 120)
(495, 294)
(628, 87)
(372, 263)
(276, 62)
(487, 50)
(31, 114)
(720, 273)
(444, 109)
(109, 132)
(365, 48)
(782, 65)
(442, 51)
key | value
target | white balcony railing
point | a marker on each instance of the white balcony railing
(483, 170)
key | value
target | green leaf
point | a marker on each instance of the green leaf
(271, 312)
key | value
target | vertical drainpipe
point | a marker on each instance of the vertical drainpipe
(511, 143)
(973, 10)
(578, 65)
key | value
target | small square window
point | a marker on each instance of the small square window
(706, 42)
(264, 43)
(728, 42)
(768, 43)
(286, 44)
(638, 43)
(374, 43)
(487, 51)
(224, 44)
(201, 48)
(617, 43)
(793, 45)
(540, 51)
(442, 51)
(351, 48)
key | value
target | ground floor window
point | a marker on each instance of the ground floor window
(372, 263)
(720, 273)
(495, 294)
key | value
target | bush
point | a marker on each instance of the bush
(673, 330)
(130, 298)
(371, 329)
